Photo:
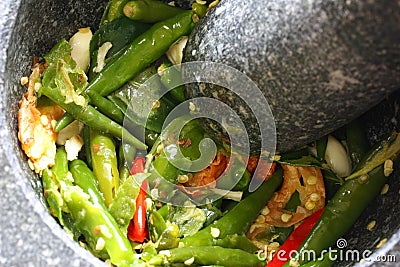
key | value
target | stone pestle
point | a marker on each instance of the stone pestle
(319, 63)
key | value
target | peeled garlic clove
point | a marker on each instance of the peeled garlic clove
(101, 56)
(337, 158)
(175, 52)
(80, 42)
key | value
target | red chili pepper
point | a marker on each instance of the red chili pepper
(294, 240)
(137, 229)
(138, 166)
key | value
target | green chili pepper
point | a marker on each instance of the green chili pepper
(126, 154)
(163, 211)
(148, 253)
(94, 119)
(321, 144)
(165, 169)
(237, 241)
(85, 179)
(65, 120)
(60, 168)
(86, 142)
(384, 150)
(113, 11)
(189, 142)
(240, 217)
(199, 9)
(104, 161)
(52, 195)
(151, 137)
(207, 256)
(356, 140)
(147, 107)
(150, 11)
(106, 106)
(57, 84)
(157, 225)
(44, 102)
(342, 211)
(120, 33)
(143, 50)
(169, 238)
(189, 218)
(99, 228)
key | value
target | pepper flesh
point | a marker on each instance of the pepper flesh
(137, 229)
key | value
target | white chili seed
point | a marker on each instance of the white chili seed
(315, 197)
(385, 189)
(380, 244)
(312, 180)
(189, 261)
(286, 217)
(100, 244)
(265, 211)
(310, 205)
(388, 167)
(215, 232)
(371, 225)
(260, 219)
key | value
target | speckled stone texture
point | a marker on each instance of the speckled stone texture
(319, 63)
(29, 236)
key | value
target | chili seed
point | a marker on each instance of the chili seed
(315, 197)
(189, 261)
(215, 232)
(388, 167)
(385, 189)
(24, 80)
(363, 178)
(274, 245)
(53, 123)
(310, 205)
(286, 217)
(265, 211)
(294, 263)
(166, 253)
(183, 178)
(100, 244)
(371, 225)
(44, 120)
(260, 219)
(37, 86)
(312, 180)
(380, 244)
(252, 228)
